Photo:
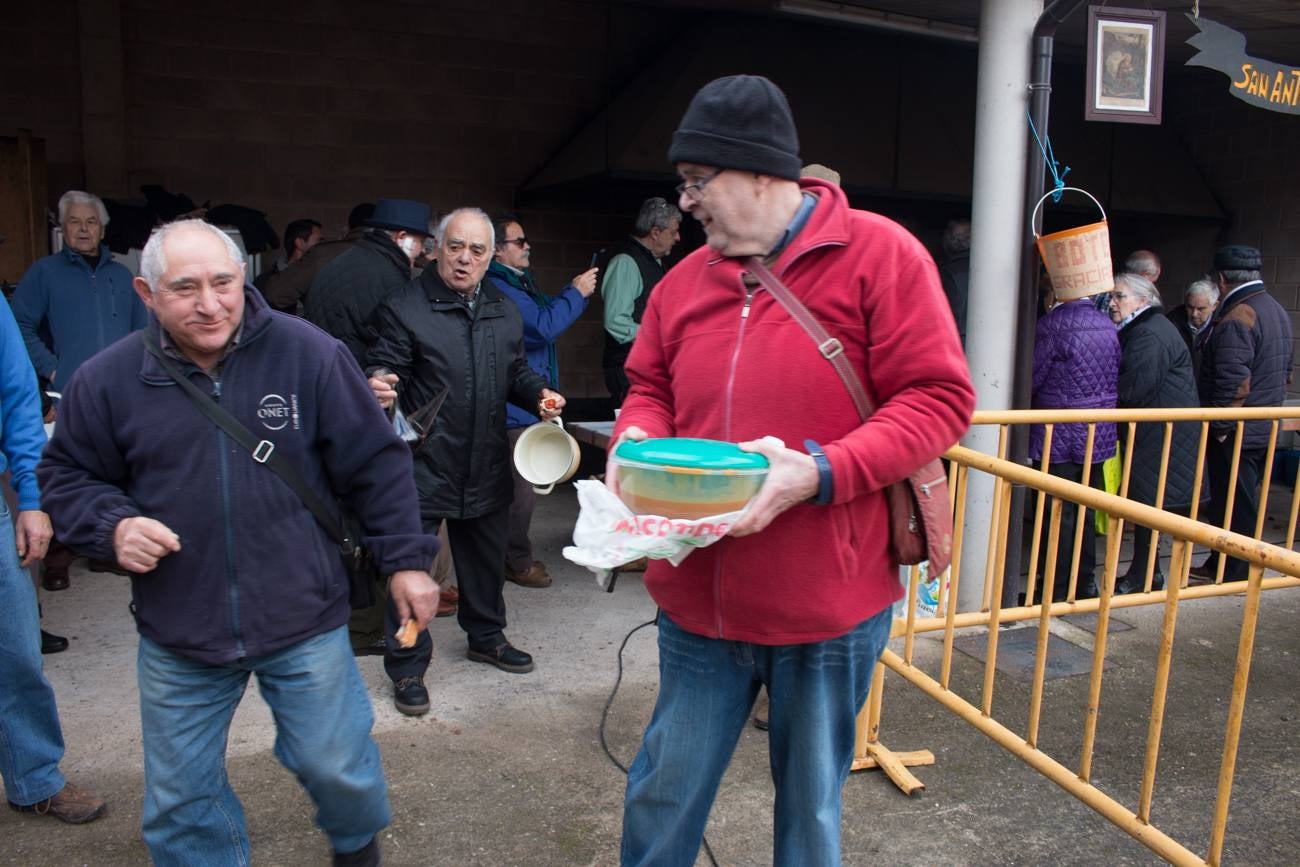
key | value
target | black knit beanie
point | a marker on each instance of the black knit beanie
(739, 122)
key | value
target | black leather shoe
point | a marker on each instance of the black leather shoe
(106, 566)
(375, 648)
(410, 697)
(51, 643)
(504, 656)
(55, 579)
(366, 856)
(1137, 583)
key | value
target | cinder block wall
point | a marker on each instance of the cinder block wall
(40, 83)
(1248, 157)
(304, 109)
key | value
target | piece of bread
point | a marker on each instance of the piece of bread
(407, 634)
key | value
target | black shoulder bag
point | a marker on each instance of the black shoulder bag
(343, 527)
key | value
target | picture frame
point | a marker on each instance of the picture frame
(1126, 55)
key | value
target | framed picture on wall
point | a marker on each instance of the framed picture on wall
(1126, 55)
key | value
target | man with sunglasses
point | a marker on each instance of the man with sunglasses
(545, 318)
(798, 597)
(632, 273)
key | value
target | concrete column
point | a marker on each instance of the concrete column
(997, 199)
(103, 96)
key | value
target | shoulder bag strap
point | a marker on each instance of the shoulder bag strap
(830, 348)
(263, 451)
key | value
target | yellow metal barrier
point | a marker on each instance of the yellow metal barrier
(1184, 531)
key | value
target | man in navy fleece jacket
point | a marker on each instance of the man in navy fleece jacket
(232, 574)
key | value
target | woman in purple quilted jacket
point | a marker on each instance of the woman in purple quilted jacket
(1076, 366)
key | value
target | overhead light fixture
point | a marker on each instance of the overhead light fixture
(849, 13)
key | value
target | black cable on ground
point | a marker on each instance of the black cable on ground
(609, 702)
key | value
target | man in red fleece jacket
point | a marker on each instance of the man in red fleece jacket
(798, 598)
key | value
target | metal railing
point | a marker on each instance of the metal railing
(1054, 495)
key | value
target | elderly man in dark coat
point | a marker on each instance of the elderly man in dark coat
(1155, 370)
(453, 330)
(1245, 361)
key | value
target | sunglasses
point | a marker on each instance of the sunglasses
(521, 241)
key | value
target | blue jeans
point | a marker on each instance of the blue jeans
(707, 688)
(322, 718)
(31, 741)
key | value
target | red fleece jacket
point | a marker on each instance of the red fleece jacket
(700, 369)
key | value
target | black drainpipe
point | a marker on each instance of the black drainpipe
(1040, 94)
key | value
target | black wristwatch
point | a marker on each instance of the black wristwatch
(825, 481)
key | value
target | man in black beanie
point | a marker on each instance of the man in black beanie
(1245, 361)
(798, 597)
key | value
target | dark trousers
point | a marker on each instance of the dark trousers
(400, 662)
(1245, 506)
(1137, 570)
(478, 548)
(1065, 546)
(616, 382)
(519, 550)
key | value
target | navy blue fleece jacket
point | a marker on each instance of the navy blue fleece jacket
(256, 572)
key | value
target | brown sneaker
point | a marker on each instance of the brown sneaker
(73, 805)
(535, 576)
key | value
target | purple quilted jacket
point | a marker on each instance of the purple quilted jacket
(1076, 366)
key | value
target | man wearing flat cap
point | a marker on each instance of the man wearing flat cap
(1245, 361)
(798, 596)
(348, 289)
(343, 295)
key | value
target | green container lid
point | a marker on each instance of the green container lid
(696, 454)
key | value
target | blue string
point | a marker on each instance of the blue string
(1058, 177)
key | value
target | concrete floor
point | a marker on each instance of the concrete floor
(507, 770)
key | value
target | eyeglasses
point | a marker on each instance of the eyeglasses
(695, 190)
(521, 241)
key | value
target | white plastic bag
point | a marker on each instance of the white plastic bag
(927, 591)
(608, 534)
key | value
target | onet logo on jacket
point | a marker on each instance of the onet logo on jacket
(276, 413)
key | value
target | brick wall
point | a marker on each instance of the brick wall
(304, 109)
(1247, 155)
(40, 84)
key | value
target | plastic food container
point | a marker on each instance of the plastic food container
(687, 478)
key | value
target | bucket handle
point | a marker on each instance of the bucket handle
(1033, 220)
(546, 489)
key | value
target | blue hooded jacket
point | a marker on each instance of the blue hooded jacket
(256, 572)
(545, 317)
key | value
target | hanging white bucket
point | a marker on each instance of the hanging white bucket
(1078, 259)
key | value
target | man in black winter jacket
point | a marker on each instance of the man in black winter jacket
(1245, 361)
(348, 289)
(343, 295)
(452, 329)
